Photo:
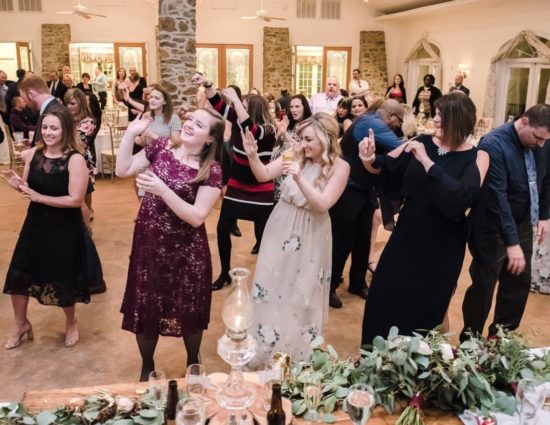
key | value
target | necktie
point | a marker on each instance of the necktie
(533, 190)
(53, 87)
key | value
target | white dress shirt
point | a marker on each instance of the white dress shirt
(359, 88)
(320, 102)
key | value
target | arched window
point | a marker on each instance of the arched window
(519, 77)
(424, 58)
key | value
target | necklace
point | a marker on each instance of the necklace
(442, 151)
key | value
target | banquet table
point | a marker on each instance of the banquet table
(35, 401)
(102, 143)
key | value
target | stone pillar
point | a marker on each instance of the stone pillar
(177, 48)
(372, 61)
(277, 72)
(55, 47)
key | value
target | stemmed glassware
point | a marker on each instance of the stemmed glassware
(190, 411)
(195, 380)
(273, 374)
(359, 403)
(158, 388)
(312, 396)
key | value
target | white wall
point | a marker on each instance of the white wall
(470, 34)
(127, 21)
(225, 26)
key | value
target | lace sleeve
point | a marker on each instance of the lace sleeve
(153, 148)
(215, 177)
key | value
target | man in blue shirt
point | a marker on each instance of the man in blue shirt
(351, 216)
(501, 239)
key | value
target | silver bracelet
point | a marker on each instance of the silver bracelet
(367, 158)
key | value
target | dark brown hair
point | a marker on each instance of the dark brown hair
(458, 118)
(69, 138)
(168, 107)
(538, 115)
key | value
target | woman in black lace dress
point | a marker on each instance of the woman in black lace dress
(49, 261)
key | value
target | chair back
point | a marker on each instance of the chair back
(117, 133)
(16, 163)
(483, 126)
(110, 116)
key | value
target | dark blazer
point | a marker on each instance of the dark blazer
(60, 90)
(54, 104)
(463, 89)
(435, 94)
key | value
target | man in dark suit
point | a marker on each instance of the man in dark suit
(56, 86)
(38, 97)
(458, 85)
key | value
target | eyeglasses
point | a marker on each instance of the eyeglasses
(398, 117)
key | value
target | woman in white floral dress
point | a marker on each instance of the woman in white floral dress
(292, 279)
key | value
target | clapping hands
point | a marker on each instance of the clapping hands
(13, 179)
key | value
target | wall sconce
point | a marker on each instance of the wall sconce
(464, 69)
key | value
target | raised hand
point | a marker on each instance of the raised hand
(198, 79)
(282, 125)
(249, 143)
(13, 179)
(231, 95)
(139, 125)
(292, 168)
(151, 183)
(367, 146)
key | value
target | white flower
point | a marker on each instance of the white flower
(424, 349)
(446, 351)
(124, 404)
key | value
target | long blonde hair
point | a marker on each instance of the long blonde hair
(326, 129)
(211, 151)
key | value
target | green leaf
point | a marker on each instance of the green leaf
(379, 343)
(342, 392)
(317, 341)
(424, 375)
(298, 407)
(526, 373)
(90, 415)
(45, 418)
(393, 333)
(504, 362)
(27, 420)
(538, 364)
(422, 361)
(328, 418)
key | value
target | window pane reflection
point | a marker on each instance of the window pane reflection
(207, 63)
(237, 68)
(516, 92)
(544, 86)
(337, 66)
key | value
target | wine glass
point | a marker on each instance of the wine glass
(359, 403)
(273, 375)
(529, 400)
(195, 380)
(312, 396)
(158, 388)
(190, 411)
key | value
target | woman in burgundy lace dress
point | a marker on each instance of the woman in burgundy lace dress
(168, 289)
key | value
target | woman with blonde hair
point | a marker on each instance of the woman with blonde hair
(168, 288)
(49, 261)
(292, 280)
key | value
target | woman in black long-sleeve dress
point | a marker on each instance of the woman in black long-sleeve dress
(439, 178)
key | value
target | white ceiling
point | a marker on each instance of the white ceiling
(394, 6)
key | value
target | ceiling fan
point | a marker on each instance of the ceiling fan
(80, 10)
(261, 13)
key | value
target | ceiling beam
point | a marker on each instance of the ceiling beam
(423, 10)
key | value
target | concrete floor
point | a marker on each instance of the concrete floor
(108, 355)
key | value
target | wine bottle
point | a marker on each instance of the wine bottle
(276, 414)
(171, 402)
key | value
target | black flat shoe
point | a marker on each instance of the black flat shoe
(221, 281)
(334, 301)
(363, 293)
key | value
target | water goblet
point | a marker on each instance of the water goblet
(195, 380)
(359, 403)
(158, 388)
(312, 396)
(529, 400)
(190, 411)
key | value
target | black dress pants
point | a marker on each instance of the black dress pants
(102, 99)
(230, 212)
(351, 219)
(489, 264)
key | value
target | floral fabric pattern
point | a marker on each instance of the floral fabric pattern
(290, 291)
(540, 266)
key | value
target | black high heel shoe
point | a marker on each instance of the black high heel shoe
(221, 281)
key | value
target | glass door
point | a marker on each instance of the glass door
(208, 63)
(227, 64)
(524, 85)
(238, 67)
(308, 66)
(131, 56)
(337, 63)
